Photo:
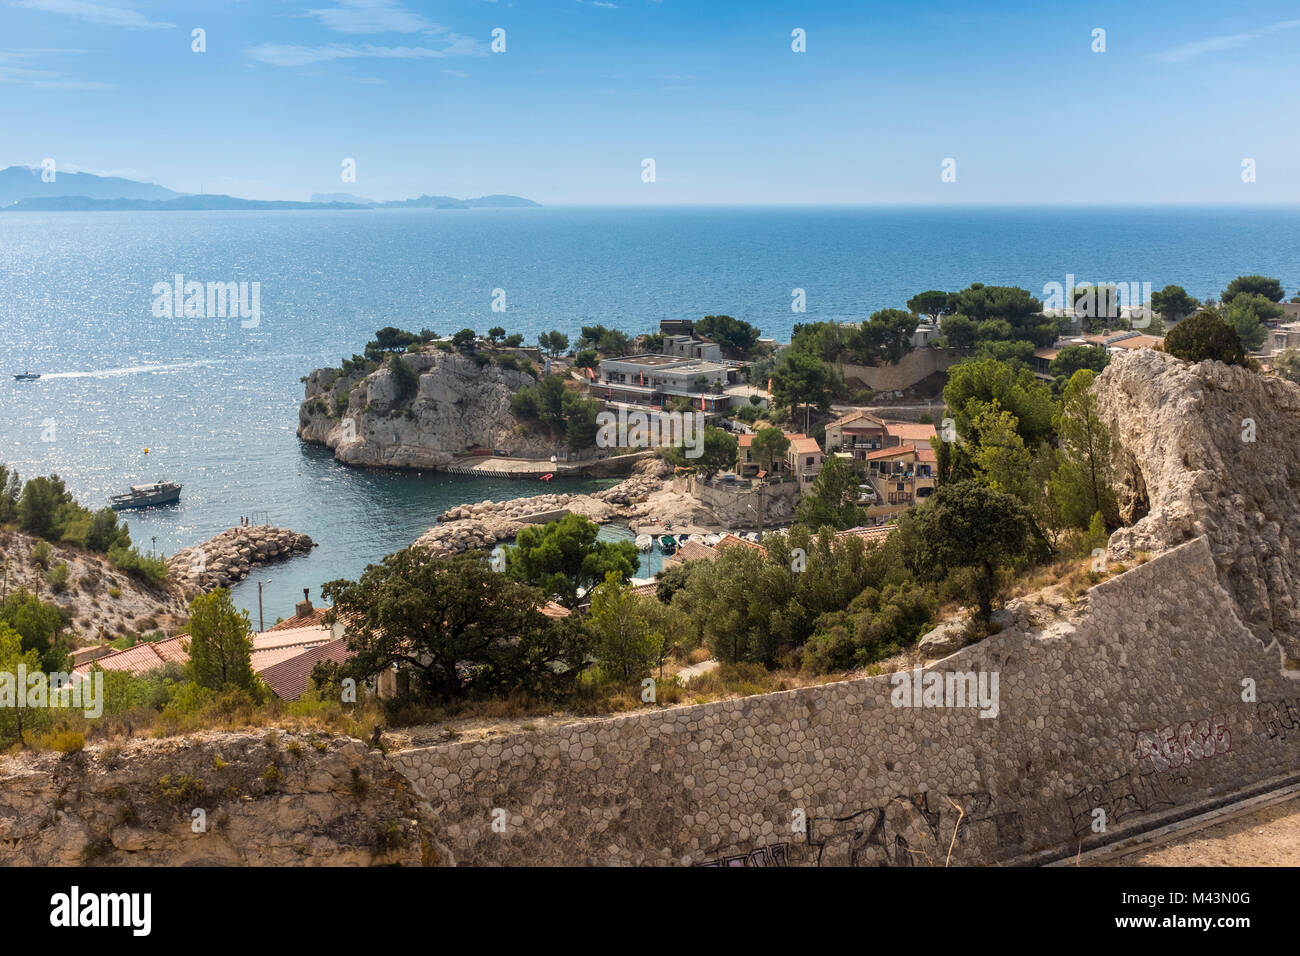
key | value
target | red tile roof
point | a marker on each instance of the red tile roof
(805, 446)
(731, 539)
(868, 534)
(910, 431)
(289, 678)
(551, 609)
(141, 658)
(315, 617)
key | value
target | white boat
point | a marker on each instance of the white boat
(644, 542)
(697, 538)
(712, 540)
(751, 536)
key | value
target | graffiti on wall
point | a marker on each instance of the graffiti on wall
(1278, 718)
(916, 829)
(1125, 795)
(1175, 746)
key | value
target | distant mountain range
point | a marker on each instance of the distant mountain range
(23, 190)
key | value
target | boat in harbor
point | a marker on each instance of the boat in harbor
(712, 539)
(26, 376)
(697, 538)
(146, 496)
(667, 543)
(644, 542)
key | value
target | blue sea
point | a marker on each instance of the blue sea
(216, 404)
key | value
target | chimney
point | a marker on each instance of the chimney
(303, 607)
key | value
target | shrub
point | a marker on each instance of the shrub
(1205, 336)
(132, 562)
(41, 555)
(68, 742)
(57, 577)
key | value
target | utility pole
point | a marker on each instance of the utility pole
(261, 622)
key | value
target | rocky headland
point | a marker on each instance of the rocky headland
(229, 557)
(457, 405)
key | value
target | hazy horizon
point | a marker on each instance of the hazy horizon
(1172, 104)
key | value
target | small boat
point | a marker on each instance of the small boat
(712, 540)
(26, 376)
(667, 543)
(547, 477)
(751, 536)
(146, 496)
(644, 542)
(697, 538)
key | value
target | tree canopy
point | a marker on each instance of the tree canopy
(563, 556)
(1203, 336)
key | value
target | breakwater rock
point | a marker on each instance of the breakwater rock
(221, 561)
(487, 523)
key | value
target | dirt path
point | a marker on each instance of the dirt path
(1268, 837)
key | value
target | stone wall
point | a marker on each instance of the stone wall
(914, 367)
(1130, 705)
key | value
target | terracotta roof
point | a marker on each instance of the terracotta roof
(141, 658)
(315, 616)
(897, 451)
(853, 417)
(910, 431)
(1136, 342)
(694, 551)
(926, 453)
(805, 446)
(551, 609)
(745, 440)
(731, 539)
(278, 644)
(646, 590)
(868, 534)
(289, 678)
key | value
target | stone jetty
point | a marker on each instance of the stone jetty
(487, 523)
(227, 558)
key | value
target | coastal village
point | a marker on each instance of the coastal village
(863, 502)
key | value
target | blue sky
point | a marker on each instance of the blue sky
(712, 91)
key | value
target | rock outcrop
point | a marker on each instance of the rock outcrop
(1211, 449)
(215, 799)
(221, 561)
(486, 523)
(458, 405)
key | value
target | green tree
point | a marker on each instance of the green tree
(1000, 458)
(933, 304)
(737, 338)
(887, 335)
(457, 625)
(624, 643)
(464, 338)
(833, 499)
(966, 527)
(1205, 336)
(978, 382)
(16, 721)
(1270, 289)
(496, 335)
(959, 331)
(514, 341)
(10, 491)
(565, 555)
(1248, 313)
(1172, 303)
(586, 358)
(1083, 484)
(553, 342)
(579, 420)
(220, 648)
(405, 379)
(1074, 357)
(39, 625)
(804, 379)
(769, 446)
(40, 506)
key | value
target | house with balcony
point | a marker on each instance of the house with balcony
(653, 380)
(804, 460)
(858, 433)
(898, 478)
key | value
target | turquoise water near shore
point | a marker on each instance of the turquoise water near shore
(216, 403)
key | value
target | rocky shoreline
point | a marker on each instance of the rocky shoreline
(487, 523)
(229, 557)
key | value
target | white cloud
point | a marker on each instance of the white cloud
(16, 71)
(94, 13)
(373, 16)
(280, 54)
(1229, 41)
